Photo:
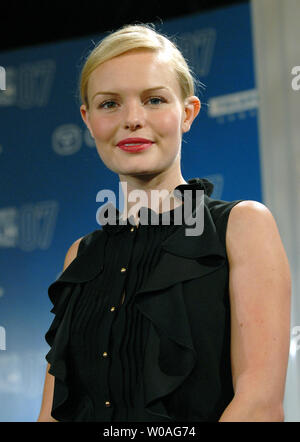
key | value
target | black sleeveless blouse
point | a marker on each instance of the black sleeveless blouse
(103, 342)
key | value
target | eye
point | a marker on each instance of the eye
(107, 104)
(156, 100)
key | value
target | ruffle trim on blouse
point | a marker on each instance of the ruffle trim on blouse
(170, 355)
(63, 294)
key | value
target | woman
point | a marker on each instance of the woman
(152, 323)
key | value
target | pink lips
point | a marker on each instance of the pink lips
(134, 144)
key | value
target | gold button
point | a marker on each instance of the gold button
(123, 269)
(112, 309)
(105, 354)
(132, 229)
(107, 404)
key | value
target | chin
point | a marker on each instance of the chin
(139, 169)
(141, 172)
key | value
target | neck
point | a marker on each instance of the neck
(154, 192)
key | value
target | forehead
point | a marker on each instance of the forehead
(137, 69)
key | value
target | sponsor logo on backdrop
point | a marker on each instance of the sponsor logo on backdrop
(231, 106)
(67, 139)
(29, 227)
(8, 227)
(296, 80)
(88, 139)
(198, 47)
(29, 84)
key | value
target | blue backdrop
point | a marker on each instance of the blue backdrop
(50, 172)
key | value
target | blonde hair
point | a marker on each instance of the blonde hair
(130, 37)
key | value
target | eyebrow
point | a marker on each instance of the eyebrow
(115, 93)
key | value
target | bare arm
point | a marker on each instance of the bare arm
(260, 288)
(46, 407)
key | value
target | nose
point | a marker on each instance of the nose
(134, 116)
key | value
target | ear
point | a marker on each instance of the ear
(192, 106)
(85, 116)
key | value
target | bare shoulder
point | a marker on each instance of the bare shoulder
(72, 253)
(249, 220)
(248, 211)
(253, 236)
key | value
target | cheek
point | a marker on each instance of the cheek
(169, 123)
(102, 127)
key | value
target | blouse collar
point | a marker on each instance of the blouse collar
(177, 262)
(119, 225)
